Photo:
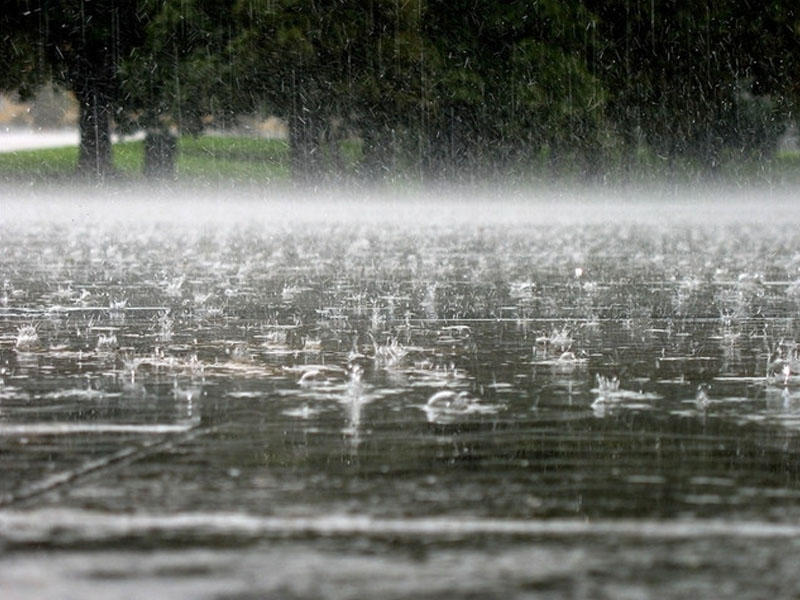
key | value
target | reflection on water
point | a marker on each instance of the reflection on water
(516, 376)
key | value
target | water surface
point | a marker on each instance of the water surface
(552, 397)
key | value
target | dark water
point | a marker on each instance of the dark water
(305, 409)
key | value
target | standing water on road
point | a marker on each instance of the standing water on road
(325, 400)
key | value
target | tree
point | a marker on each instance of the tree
(388, 68)
(691, 80)
(288, 63)
(512, 85)
(456, 89)
(78, 43)
(20, 55)
(154, 65)
(334, 68)
(175, 81)
(769, 94)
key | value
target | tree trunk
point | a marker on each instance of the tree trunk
(436, 160)
(94, 157)
(377, 162)
(160, 152)
(305, 153)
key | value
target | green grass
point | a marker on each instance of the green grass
(38, 164)
(234, 148)
(218, 159)
(215, 158)
(129, 158)
(203, 159)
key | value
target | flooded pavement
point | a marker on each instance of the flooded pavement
(542, 404)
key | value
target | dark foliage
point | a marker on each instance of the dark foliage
(459, 89)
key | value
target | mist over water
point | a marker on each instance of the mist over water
(232, 392)
(183, 204)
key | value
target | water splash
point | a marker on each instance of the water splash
(448, 406)
(27, 339)
(609, 394)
